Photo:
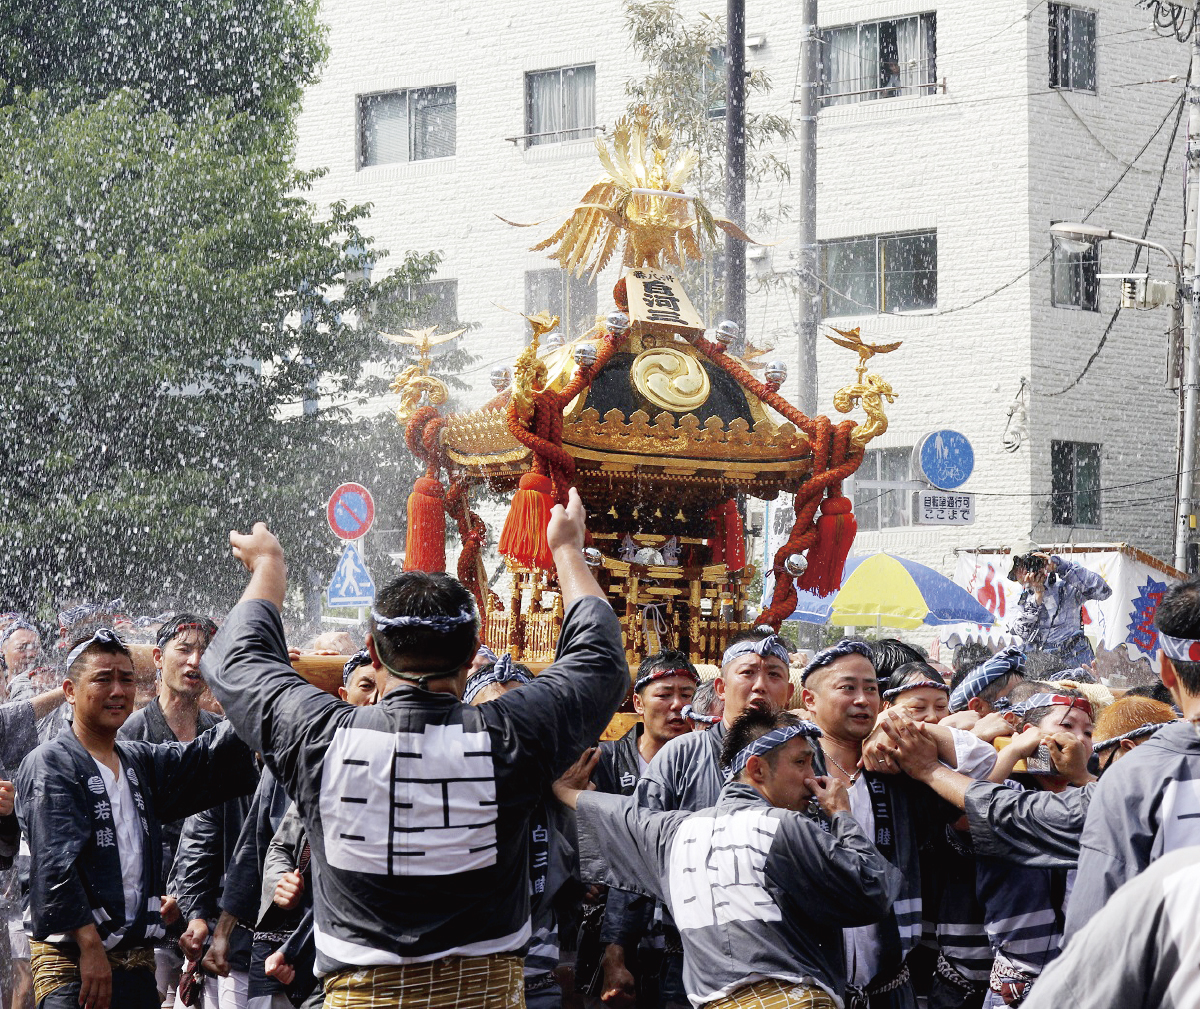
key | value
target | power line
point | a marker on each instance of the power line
(1137, 254)
(875, 310)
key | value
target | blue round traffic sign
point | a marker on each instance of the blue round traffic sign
(350, 511)
(945, 459)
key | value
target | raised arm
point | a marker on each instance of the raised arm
(566, 534)
(1089, 584)
(262, 555)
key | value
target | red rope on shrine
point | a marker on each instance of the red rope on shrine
(826, 541)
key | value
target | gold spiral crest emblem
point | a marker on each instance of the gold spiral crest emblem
(671, 379)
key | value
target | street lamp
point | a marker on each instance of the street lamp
(1077, 237)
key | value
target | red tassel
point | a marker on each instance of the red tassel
(426, 548)
(836, 529)
(735, 538)
(523, 540)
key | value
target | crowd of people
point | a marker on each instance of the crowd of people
(862, 827)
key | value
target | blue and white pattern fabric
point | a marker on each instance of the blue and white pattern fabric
(915, 685)
(1004, 663)
(847, 646)
(501, 671)
(767, 742)
(770, 646)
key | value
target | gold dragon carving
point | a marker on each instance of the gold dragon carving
(869, 391)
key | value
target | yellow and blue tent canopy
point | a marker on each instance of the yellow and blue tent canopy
(886, 591)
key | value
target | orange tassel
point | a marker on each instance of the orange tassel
(836, 529)
(523, 540)
(735, 538)
(426, 548)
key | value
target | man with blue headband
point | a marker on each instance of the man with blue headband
(686, 774)
(759, 888)
(417, 809)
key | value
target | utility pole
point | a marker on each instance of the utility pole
(1191, 384)
(810, 304)
(735, 158)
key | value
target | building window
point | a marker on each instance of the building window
(879, 59)
(1075, 275)
(1075, 483)
(882, 499)
(879, 273)
(434, 303)
(1072, 48)
(712, 79)
(413, 125)
(560, 105)
(560, 293)
(437, 303)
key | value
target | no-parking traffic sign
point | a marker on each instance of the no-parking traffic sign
(350, 511)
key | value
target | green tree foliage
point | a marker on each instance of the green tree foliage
(173, 308)
(684, 85)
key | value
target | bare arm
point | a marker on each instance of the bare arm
(1021, 747)
(262, 555)
(95, 974)
(43, 704)
(565, 534)
(915, 750)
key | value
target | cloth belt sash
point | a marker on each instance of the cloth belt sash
(55, 966)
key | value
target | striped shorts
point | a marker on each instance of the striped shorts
(453, 982)
(772, 993)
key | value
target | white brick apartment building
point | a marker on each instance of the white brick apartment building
(960, 164)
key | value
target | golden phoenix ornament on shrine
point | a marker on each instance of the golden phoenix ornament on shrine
(640, 200)
(414, 383)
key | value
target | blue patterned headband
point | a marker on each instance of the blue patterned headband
(360, 658)
(436, 623)
(914, 685)
(690, 714)
(1004, 663)
(502, 671)
(487, 653)
(771, 645)
(1139, 733)
(769, 741)
(847, 646)
(104, 636)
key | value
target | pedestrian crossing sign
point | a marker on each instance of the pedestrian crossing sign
(351, 584)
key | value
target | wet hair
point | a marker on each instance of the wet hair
(182, 622)
(668, 658)
(1178, 615)
(892, 653)
(1127, 714)
(967, 656)
(110, 646)
(919, 670)
(421, 647)
(749, 726)
(705, 698)
(1156, 691)
(1032, 716)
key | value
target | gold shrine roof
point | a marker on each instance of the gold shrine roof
(658, 406)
